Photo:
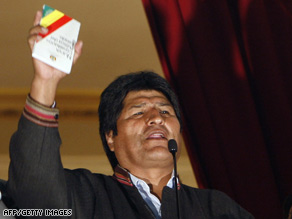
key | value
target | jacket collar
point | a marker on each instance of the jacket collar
(122, 175)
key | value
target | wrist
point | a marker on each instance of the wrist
(43, 91)
(54, 105)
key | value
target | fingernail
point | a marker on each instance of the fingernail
(44, 30)
(38, 38)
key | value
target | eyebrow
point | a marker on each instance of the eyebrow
(137, 106)
(144, 104)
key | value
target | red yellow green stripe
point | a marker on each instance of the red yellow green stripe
(57, 24)
(51, 18)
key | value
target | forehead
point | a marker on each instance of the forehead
(144, 95)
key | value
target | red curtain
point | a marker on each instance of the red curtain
(230, 63)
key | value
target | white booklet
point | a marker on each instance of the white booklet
(57, 46)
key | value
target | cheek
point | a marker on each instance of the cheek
(128, 129)
(127, 134)
(174, 125)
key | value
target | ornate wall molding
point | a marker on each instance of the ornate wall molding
(82, 103)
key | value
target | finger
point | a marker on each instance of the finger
(37, 18)
(38, 29)
(32, 39)
(34, 34)
(78, 50)
(34, 31)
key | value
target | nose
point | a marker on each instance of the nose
(154, 118)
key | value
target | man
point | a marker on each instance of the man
(138, 113)
(288, 207)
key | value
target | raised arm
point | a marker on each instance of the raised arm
(36, 175)
(46, 78)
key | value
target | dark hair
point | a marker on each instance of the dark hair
(287, 206)
(111, 102)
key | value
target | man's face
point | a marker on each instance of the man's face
(144, 127)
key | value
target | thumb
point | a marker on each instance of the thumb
(78, 50)
(37, 18)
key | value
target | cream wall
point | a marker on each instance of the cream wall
(117, 40)
(115, 33)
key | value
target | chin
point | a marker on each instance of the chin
(160, 153)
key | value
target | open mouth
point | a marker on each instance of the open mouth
(157, 135)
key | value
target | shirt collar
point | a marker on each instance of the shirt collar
(136, 180)
(125, 177)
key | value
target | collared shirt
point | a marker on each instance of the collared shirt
(152, 201)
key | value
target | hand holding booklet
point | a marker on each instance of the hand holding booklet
(57, 47)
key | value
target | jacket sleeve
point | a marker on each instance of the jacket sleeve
(222, 206)
(36, 175)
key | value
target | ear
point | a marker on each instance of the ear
(110, 140)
